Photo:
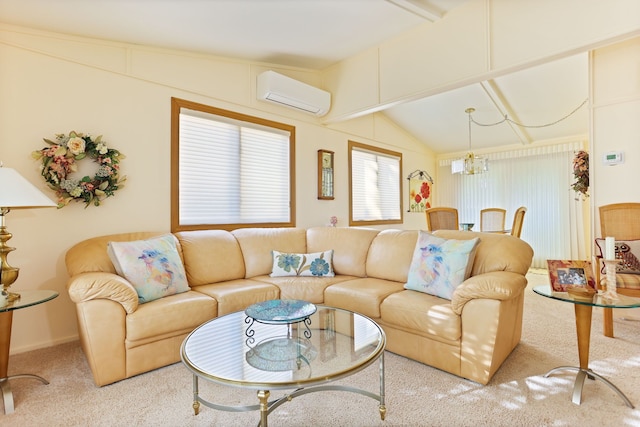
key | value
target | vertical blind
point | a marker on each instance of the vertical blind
(539, 179)
(375, 186)
(232, 172)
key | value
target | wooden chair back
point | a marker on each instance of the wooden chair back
(620, 220)
(492, 219)
(442, 219)
(518, 220)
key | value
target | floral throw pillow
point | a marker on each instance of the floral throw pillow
(153, 266)
(439, 265)
(319, 264)
(627, 251)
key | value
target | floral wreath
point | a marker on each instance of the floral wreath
(60, 159)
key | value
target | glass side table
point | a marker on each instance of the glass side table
(27, 299)
(583, 311)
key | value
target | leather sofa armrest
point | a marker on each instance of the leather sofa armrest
(499, 285)
(100, 285)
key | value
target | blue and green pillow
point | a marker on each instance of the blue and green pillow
(318, 264)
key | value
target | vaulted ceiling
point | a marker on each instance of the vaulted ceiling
(317, 33)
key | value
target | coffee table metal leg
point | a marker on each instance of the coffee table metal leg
(263, 396)
(196, 401)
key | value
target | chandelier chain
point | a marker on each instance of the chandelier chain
(507, 119)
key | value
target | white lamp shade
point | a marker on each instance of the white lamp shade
(18, 193)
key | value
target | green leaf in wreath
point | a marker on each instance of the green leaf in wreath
(81, 156)
(60, 151)
(85, 179)
(103, 186)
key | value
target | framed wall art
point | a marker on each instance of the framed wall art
(325, 175)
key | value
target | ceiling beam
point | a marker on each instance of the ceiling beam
(505, 110)
(420, 8)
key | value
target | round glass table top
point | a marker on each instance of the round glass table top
(599, 299)
(234, 350)
(29, 298)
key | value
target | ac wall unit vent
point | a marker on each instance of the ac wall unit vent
(288, 92)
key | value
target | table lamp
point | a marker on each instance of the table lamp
(15, 193)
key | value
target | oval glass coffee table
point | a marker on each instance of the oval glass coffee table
(583, 311)
(283, 357)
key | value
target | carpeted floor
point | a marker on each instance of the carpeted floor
(417, 395)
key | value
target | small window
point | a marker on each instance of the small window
(375, 185)
(229, 170)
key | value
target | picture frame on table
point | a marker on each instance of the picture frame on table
(564, 274)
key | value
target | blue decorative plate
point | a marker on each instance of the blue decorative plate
(280, 311)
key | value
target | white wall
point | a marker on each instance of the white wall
(54, 84)
(615, 125)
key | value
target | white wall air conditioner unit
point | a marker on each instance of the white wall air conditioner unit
(292, 93)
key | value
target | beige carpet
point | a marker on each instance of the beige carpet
(417, 395)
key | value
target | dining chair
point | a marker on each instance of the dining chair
(518, 219)
(492, 219)
(621, 221)
(442, 219)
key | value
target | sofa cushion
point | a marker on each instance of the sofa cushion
(350, 247)
(236, 295)
(153, 266)
(257, 243)
(361, 295)
(390, 254)
(319, 264)
(439, 265)
(211, 256)
(303, 288)
(170, 316)
(626, 250)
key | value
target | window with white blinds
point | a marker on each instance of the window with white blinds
(375, 185)
(230, 170)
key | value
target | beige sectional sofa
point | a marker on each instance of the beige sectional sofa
(469, 336)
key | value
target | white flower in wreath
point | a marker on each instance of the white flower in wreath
(76, 145)
(102, 148)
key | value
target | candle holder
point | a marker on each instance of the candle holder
(610, 290)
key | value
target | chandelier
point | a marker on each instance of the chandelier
(470, 164)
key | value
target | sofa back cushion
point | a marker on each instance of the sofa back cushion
(350, 247)
(257, 243)
(495, 252)
(390, 254)
(91, 255)
(211, 256)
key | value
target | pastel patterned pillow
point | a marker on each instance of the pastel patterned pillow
(153, 266)
(439, 265)
(318, 264)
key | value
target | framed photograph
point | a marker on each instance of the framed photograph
(325, 175)
(564, 274)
